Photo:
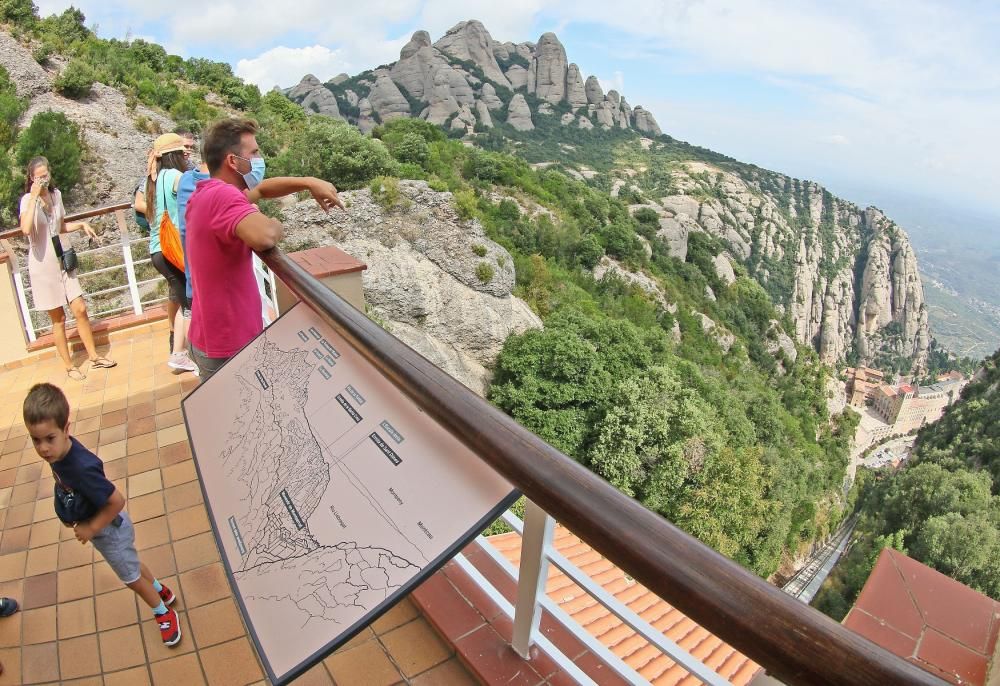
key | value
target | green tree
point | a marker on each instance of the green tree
(337, 152)
(20, 12)
(54, 136)
(966, 548)
(76, 80)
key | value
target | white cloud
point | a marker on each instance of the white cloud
(616, 82)
(836, 139)
(284, 67)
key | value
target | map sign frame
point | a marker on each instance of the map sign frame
(331, 494)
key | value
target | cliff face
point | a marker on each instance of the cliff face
(846, 277)
(455, 82)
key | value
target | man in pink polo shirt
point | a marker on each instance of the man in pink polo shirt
(223, 228)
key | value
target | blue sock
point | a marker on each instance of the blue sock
(157, 586)
(160, 609)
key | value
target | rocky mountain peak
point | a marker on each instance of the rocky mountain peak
(467, 79)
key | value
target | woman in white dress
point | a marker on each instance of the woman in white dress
(42, 219)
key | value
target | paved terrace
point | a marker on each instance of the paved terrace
(79, 625)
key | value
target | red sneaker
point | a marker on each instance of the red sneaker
(166, 595)
(170, 628)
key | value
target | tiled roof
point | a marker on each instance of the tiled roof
(928, 618)
(631, 647)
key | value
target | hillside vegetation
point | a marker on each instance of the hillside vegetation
(943, 508)
(677, 385)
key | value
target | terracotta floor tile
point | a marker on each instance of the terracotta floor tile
(15, 540)
(42, 560)
(150, 533)
(231, 664)
(40, 663)
(365, 665)
(204, 585)
(25, 493)
(399, 614)
(195, 551)
(116, 609)
(146, 506)
(76, 618)
(11, 630)
(11, 660)
(29, 473)
(105, 579)
(39, 625)
(493, 660)
(116, 471)
(72, 553)
(184, 523)
(147, 482)
(112, 435)
(180, 497)
(39, 591)
(167, 404)
(450, 673)
(5, 496)
(44, 533)
(114, 405)
(121, 648)
(113, 451)
(142, 462)
(139, 410)
(79, 657)
(7, 478)
(141, 425)
(160, 560)
(140, 444)
(76, 583)
(89, 441)
(155, 649)
(113, 418)
(179, 473)
(171, 435)
(316, 676)
(85, 426)
(12, 565)
(415, 647)
(168, 419)
(137, 676)
(174, 453)
(19, 515)
(215, 623)
(184, 670)
(44, 509)
(445, 608)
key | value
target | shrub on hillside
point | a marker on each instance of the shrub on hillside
(11, 108)
(21, 12)
(54, 136)
(337, 152)
(76, 80)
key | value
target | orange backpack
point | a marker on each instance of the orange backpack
(170, 237)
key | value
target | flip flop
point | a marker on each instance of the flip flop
(76, 374)
(103, 363)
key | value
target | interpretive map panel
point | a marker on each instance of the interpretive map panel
(331, 493)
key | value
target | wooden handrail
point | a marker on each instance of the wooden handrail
(792, 641)
(86, 214)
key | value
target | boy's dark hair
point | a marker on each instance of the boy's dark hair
(224, 137)
(46, 401)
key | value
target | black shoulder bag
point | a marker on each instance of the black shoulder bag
(67, 258)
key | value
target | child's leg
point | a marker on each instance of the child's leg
(143, 587)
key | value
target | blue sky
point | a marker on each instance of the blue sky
(895, 96)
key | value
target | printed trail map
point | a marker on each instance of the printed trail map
(331, 494)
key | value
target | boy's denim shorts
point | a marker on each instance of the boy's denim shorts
(117, 546)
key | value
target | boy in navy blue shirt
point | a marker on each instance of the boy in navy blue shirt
(88, 502)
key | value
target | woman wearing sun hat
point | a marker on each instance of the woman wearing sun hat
(168, 160)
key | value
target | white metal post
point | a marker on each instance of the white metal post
(22, 300)
(532, 576)
(133, 287)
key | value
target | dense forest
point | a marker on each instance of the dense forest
(943, 508)
(732, 442)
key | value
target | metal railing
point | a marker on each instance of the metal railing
(138, 290)
(133, 290)
(793, 642)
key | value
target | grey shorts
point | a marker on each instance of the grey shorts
(206, 365)
(117, 546)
